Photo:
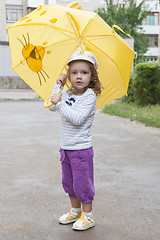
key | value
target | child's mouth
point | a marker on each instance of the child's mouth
(79, 83)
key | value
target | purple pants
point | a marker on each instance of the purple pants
(77, 174)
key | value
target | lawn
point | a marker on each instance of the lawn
(149, 115)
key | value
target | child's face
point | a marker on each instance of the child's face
(80, 75)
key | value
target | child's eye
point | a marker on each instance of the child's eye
(84, 72)
(74, 73)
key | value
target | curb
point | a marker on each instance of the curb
(20, 99)
(18, 95)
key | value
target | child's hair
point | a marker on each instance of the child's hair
(94, 84)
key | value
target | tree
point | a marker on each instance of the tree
(129, 17)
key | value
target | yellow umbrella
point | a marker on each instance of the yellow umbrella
(42, 42)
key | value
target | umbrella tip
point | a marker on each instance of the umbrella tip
(75, 5)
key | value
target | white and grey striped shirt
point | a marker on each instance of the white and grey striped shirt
(77, 113)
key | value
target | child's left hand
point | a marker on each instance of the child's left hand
(56, 98)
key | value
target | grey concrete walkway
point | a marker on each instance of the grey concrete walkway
(17, 94)
(127, 177)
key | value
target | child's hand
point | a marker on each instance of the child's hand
(61, 79)
(55, 98)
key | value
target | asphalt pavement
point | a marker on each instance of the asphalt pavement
(127, 175)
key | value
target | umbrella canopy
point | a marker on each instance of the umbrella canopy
(42, 42)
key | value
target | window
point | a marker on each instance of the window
(156, 18)
(123, 1)
(80, 1)
(51, 2)
(152, 41)
(30, 9)
(13, 14)
(151, 59)
(152, 19)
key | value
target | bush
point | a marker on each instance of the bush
(144, 87)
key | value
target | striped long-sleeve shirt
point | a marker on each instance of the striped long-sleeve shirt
(77, 113)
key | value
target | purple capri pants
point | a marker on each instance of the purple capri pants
(77, 173)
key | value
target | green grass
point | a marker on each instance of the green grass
(149, 115)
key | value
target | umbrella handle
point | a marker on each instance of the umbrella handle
(46, 105)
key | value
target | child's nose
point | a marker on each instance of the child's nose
(79, 75)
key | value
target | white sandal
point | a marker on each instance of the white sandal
(84, 223)
(69, 217)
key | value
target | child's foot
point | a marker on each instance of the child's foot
(84, 223)
(70, 217)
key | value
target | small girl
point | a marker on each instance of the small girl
(77, 107)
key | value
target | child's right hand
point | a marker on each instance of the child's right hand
(61, 80)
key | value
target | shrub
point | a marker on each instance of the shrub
(144, 87)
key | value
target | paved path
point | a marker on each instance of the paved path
(127, 177)
(17, 95)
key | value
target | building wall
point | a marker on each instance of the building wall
(90, 5)
(151, 28)
(8, 10)
(3, 21)
(5, 62)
